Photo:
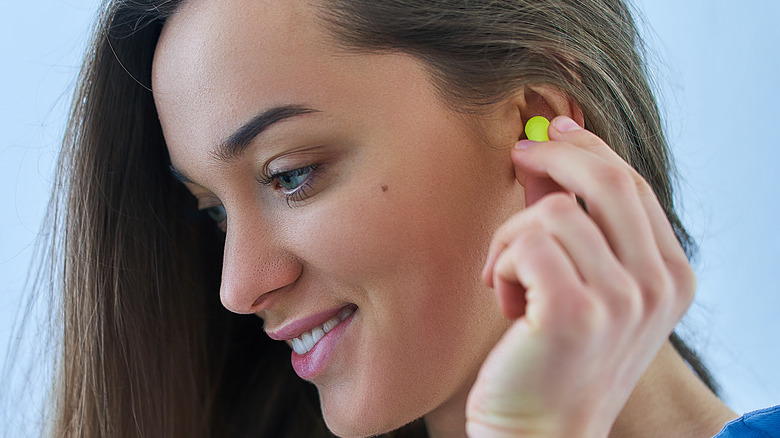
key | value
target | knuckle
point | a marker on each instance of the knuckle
(643, 187)
(505, 265)
(669, 290)
(684, 279)
(527, 239)
(617, 179)
(588, 313)
(506, 229)
(513, 227)
(674, 287)
(657, 293)
(626, 303)
(556, 204)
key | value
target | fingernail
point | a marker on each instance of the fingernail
(565, 124)
(524, 144)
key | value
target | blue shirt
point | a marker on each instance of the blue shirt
(764, 423)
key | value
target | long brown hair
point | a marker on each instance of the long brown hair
(146, 349)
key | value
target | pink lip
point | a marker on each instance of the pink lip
(308, 366)
(303, 325)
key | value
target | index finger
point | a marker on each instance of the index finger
(671, 249)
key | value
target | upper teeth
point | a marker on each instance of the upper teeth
(304, 343)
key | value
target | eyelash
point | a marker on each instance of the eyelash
(301, 192)
(211, 212)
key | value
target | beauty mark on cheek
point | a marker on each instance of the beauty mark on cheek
(384, 187)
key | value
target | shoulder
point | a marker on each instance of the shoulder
(764, 423)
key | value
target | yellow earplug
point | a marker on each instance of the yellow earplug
(536, 128)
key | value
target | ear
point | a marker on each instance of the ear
(544, 100)
(538, 100)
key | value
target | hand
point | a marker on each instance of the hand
(594, 294)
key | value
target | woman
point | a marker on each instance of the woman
(377, 212)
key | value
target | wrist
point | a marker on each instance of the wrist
(564, 426)
(481, 430)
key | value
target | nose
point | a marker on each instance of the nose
(255, 264)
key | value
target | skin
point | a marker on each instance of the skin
(408, 257)
(398, 219)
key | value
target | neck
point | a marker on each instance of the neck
(449, 419)
(669, 400)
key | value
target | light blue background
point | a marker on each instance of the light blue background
(719, 80)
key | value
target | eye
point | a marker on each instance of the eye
(294, 185)
(217, 213)
(293, 179)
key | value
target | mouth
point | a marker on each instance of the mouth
(306, 341)
(303, 334)
(315, 338)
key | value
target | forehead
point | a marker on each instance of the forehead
(220, 63)
(202, 33)
(213, 54)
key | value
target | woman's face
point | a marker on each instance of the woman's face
(348, 185)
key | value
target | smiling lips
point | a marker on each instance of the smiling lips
(305, 342)
(315, 338)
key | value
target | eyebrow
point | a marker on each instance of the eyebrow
(231, 148)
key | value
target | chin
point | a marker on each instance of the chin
(356, 428)
(356, 420)
(350, 428)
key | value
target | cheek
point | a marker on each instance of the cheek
(370, 236)
(414, 256)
